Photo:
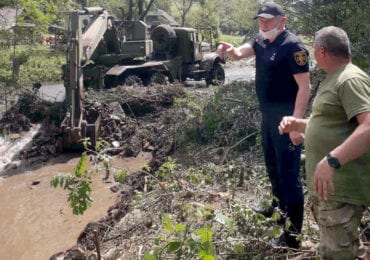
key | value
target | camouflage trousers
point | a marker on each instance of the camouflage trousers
(339, 229)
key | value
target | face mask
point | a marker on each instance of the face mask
(270, 35)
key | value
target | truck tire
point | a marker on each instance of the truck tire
(110, 81)
(159, 78)
(133, 80)
(216, 76)
(161, 37)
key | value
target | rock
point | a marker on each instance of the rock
(115, 118)
(115, 188)
(35, 183)
(147, 147)
(11, 166)
(134, 147)
(94, 256)
(52, 149)
(45, 138)
(57, 256)
(115, 144)
(308, 245)
(14, 136)
(112, 125)
(75, 253)
(117, 110)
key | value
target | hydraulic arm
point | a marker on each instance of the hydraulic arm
(82, 43)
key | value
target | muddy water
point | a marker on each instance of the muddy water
(9, 147)
(36, 221)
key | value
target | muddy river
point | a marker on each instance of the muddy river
(35, 219)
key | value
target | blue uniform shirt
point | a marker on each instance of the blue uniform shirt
(276, 63)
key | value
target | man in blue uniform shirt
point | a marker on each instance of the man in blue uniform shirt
(283, 88)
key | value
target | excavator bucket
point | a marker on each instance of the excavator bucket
(73, 136)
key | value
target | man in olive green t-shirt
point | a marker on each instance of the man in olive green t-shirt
(337, 142)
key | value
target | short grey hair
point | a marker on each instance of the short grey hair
(335, 40)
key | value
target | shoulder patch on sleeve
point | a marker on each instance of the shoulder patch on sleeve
(300, 57)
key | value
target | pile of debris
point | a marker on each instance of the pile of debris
(138, 118)
(21, 118)
(133, 119)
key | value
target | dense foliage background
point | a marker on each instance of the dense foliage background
(231, 20)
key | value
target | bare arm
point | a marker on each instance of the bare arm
(353, 147)
(303, 95)
(301, 101)
(243, 51)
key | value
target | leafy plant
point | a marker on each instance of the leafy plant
(165, 171)
(230, 115)
(120, 176)
(178, 241)
(78, 186)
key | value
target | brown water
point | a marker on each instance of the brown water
(36, 220)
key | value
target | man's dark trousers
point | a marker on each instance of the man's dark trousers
(282, 160)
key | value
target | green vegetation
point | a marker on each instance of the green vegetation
(195, 230)
(235, 40)
(36, 63)
(177, 241)
(229, 116)
(307, 17)
(78, 186)
(44, 65)
(79, 183)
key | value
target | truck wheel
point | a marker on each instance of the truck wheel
(159, 78)
(216, 75)
(110, 81)
(133, 80)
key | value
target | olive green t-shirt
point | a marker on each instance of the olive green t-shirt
(341, 96)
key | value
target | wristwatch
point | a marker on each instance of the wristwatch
(333, 161)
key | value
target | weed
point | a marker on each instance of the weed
(120, 176)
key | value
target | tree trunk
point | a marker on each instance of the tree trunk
(146, 10)
(184, 9)
(130, 10)
(140, 4)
